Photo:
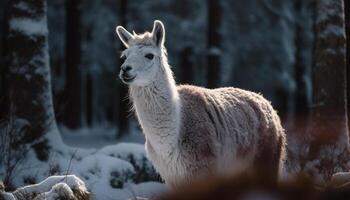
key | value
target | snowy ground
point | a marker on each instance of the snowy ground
(110, 168)
(103, 137)
(99, 136)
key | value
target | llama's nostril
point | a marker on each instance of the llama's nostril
(126, 68)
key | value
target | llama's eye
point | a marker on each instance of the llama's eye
(149, 56)
(123, 58)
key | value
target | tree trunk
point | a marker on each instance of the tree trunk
(29, 74)
(214, 42)
(123, 111)
(73, 110)
(302, 69)
(3, 62)
(347, 29)
(186, 66)
(89, 100)
(329, 142)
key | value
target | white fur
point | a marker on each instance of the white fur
(156, 102)
(157, 107)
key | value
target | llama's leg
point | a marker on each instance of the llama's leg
(268, 159)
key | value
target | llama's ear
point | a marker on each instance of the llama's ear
(158, 33)
(124, 35)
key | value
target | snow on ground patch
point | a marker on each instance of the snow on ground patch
(109, 177)
(118, 171)
(105, 171)
(134, 154)
(147, 189)
(58, 191)
(121, 150)
(99, 136)
(53, 187)
(93, 137)
(45, 185)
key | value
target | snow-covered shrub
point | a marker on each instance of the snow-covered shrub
(321, 166)
(11, 150)
(105, 170)
(135, 155)
(117, 180)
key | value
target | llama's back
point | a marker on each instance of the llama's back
(228, 128)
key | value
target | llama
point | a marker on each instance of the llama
(192, 131)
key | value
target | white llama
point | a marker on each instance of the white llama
(192, 131)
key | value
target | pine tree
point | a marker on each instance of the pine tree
(31, 108)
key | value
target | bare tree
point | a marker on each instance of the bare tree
(329, 134)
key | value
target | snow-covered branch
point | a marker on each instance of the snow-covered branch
(54, 187)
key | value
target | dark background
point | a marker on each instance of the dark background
(292, 52)
(265, 46)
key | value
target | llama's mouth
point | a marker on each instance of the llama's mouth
(128, 79)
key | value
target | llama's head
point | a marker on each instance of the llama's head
(143, 55)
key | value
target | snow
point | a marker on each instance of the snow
(147, 189)
(328, 10)
(53, 187)
(214, 51)
(106, 177)
(109, 177)
(29, 26)
(71, 180)
(89, 137)
(332, 30)
(105, 173)
(99, 136)
(23, 6)
(124, 149)
(108, 173)
(8, 196)
(58, 191)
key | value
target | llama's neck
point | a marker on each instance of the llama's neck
(158, 110)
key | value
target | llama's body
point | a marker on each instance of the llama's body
(192, 131)
(219, 131)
